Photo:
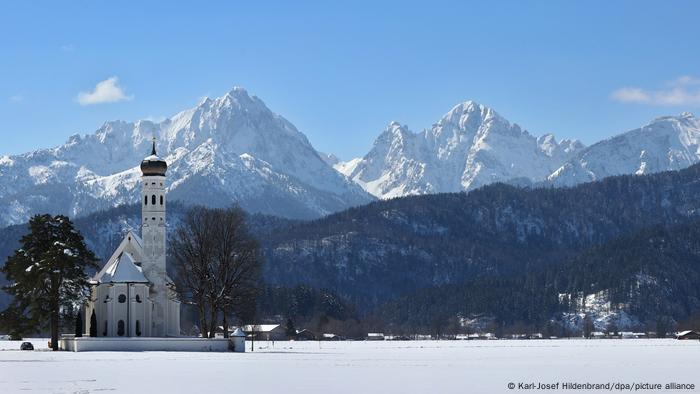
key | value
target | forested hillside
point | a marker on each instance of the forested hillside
(515, 255)
(387, 249)
(652, 275)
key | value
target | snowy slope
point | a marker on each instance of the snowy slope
(667, 143)
(232, 148)
(469, 147)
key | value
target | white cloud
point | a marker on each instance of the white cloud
(106, 91)
(16, 98)
(684, 90)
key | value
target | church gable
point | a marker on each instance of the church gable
(122, 270)
(131, 245)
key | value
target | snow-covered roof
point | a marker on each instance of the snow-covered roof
(122, 269)
(237, 333)
(260, 327)
(152, 158)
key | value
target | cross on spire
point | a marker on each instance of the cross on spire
(153, 151)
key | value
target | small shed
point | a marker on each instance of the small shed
(375, 336)
(305, 335)
(689, 334)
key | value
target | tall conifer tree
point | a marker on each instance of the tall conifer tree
(47, 274)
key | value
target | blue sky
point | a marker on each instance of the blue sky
(342, 72)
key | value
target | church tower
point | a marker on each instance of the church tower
(153, 234)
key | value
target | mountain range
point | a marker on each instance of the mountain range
(472, 146)
(234, 148)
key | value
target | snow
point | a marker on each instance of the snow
(472, 146)
(469, 147)
(351, 367)
(121, 269)
(202, 147)
(666, 143)
(600, 310)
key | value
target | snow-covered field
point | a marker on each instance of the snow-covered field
(355, 367)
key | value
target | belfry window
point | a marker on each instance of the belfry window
(138, 328)
(145, 200)
(138, 298)
(161, 200)
(120, 328)
(153, 199)
(104, 333)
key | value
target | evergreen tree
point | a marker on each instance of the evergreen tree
(93, 324)
(663, 326)
(291, 330)
(588, 326)
(47, 274)
(79, 325)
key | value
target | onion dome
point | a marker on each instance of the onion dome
(154, 165)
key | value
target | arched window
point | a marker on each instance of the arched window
(138, 298)
(138, 328)
(145, 200)
(161, 200)
(122, 298)
(104, 333)
(153, 199)
(120, 328)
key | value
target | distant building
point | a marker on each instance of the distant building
(690, 334)
(375, 336)
(265, 332)
(330, 337)
(305, 335)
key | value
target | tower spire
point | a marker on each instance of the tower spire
(153, 151)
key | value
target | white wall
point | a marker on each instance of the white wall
(145, 344)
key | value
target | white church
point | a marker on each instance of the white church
(132, 296)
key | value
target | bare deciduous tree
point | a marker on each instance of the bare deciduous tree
(218, 265)
(193, 253)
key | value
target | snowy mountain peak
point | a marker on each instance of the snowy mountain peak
(226, 149)
(468, 114)
(666, 143)
(471, 145)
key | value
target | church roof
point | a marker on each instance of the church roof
(121, 269)
(153, 165)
